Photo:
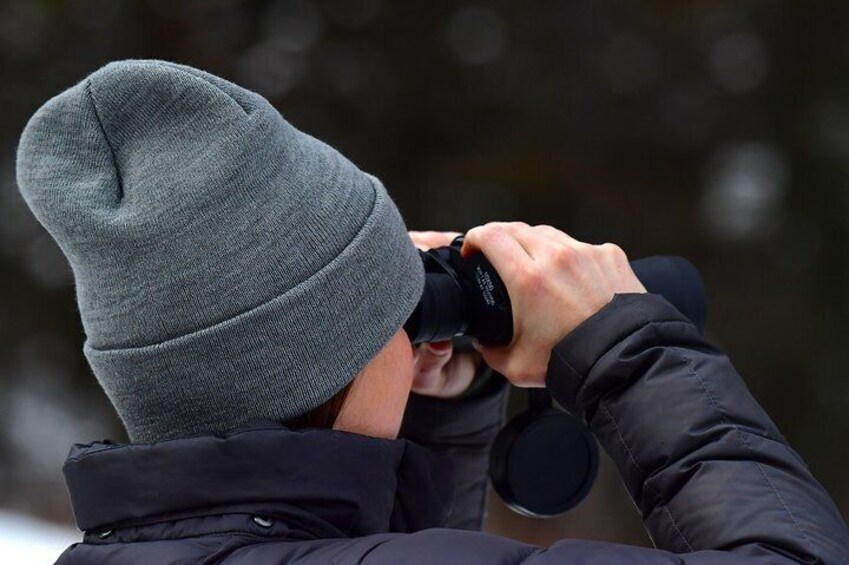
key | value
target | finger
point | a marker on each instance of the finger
(615, 262)
(555, 234)
(457, 375)
(419, 240)
(429, 360)
(535, 243)
(520, 369)
(425, 240)
(499, 246)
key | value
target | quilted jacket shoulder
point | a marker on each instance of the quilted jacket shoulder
(711, 475)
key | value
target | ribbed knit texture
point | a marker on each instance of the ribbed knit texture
(227, 265)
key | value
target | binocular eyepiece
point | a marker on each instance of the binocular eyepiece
(545, 460)
(461, 297)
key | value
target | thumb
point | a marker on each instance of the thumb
(521, 368)
(428, 363)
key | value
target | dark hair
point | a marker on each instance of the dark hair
(323, 416)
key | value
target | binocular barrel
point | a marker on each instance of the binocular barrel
(466, 296)
(678, 281)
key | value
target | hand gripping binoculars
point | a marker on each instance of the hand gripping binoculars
(545, 461)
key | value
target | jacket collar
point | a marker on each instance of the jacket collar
(329, 483)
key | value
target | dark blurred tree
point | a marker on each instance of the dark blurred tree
(714, 130)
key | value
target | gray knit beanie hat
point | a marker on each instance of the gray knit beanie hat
(227, 266)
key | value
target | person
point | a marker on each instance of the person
(243, 289)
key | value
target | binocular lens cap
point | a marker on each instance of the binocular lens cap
(544, 463)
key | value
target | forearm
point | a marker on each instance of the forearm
(464, 430)
(704, 464)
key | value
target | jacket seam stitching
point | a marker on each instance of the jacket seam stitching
(741, 436)
(586, 386)
(666, 508)
(646, 321)
(590, 387)
(647, 485)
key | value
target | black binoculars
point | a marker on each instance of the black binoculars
(545, 460)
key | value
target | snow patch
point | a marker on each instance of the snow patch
(27, 541)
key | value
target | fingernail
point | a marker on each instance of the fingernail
(440, 347)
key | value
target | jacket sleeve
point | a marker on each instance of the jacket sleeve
(704, 464)
(462, 429)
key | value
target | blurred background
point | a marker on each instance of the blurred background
(714, 130)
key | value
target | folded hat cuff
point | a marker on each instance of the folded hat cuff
(281, 358)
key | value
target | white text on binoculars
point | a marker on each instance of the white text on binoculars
(485, 284)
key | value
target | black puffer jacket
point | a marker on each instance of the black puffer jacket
(715, 481)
